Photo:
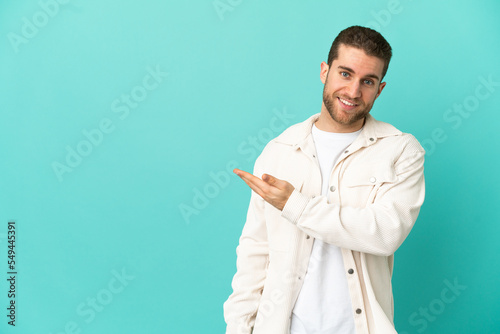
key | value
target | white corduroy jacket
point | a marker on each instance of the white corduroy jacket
(376, 191)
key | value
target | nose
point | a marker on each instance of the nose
(353, 89)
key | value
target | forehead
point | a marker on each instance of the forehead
(359, 61)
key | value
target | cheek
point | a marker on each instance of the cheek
(370, 96)
(334, 87)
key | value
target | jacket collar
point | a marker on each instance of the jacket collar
(299, 135)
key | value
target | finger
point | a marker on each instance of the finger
(269, 179)
(240, 172)
(252, 181)
(254, 188)
(273, 181)
(255, 182)
(251, 178)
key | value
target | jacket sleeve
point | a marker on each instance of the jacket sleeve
(240, 309)
(378, 228)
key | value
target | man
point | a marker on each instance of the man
(339, 194)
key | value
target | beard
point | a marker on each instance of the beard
(331, 103)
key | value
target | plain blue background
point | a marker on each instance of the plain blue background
(66, 68)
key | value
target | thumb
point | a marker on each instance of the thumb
(269, 179)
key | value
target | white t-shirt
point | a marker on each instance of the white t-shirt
(324, 305)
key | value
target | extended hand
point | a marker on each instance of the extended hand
(274, 191)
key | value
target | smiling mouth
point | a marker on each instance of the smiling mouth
(348, 105)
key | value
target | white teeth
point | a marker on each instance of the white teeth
(345, 102)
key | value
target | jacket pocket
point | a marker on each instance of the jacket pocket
(362, 182)
(375, 174)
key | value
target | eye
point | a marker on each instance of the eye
(368, 82)
(344, 74)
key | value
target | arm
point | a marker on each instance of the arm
(380, 227)
(252, 258)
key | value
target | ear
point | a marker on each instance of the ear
(380, 87)
(324, 72)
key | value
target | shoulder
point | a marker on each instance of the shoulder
(286, 142)
(295, 134)
(388, 134)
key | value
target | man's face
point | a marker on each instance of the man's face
(352, 83)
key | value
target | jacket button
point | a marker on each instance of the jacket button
(307, 237)
(332, 188)
(358, 311)
(346, 151)
(350, 271)
(371, 139)
(373, 179)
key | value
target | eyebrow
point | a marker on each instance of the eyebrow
(371, 75)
